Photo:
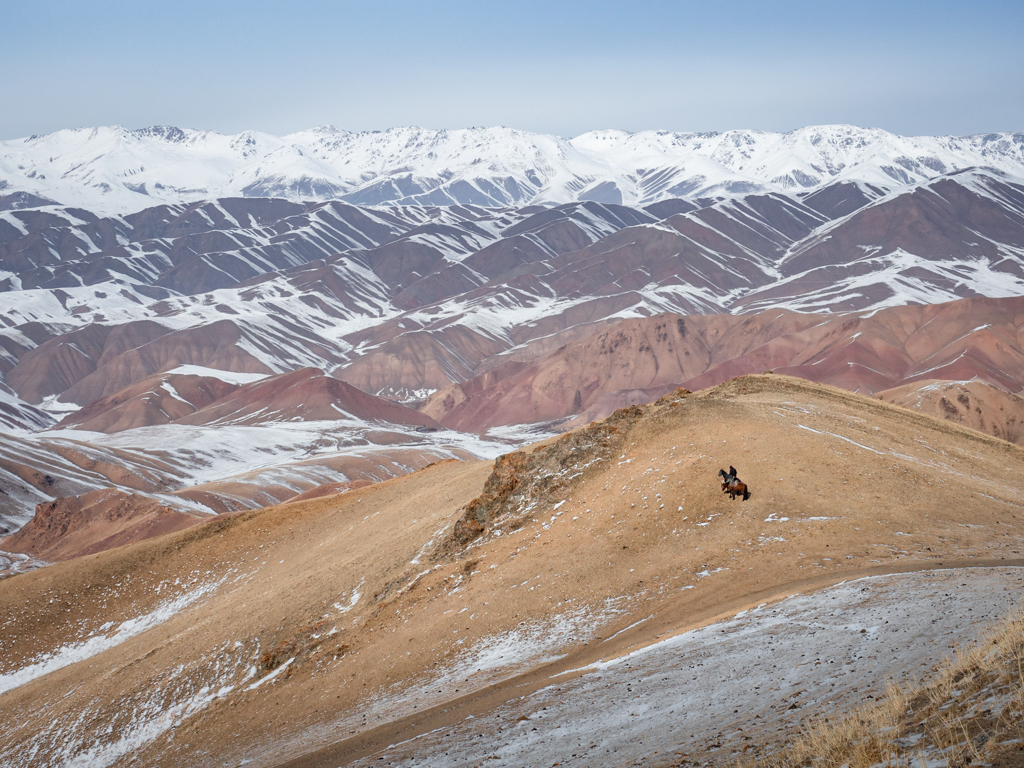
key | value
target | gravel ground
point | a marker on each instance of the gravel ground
(704, 695)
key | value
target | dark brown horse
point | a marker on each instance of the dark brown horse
(733, 485)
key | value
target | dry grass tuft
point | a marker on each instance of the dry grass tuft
(970, 712)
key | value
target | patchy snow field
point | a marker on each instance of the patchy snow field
(15, 562)
(101, 640)
(706, 694)
(295, 455)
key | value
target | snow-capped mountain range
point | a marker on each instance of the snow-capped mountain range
(113, 170)
(356, 270)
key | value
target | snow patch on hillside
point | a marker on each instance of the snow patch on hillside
(73, 653)
(749, 679)
(229, 377)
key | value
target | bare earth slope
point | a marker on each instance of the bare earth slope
(325, 630)
(862, 352)
(403, 300)
(160, 399)
(176, 431)
(94, 522)
(972, 403)
(307, 395)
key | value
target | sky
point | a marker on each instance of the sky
(553, 67)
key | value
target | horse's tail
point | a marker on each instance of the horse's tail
(746, 493)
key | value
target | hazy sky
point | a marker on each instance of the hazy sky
(557, 67)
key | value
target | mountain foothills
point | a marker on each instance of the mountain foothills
(530, 609)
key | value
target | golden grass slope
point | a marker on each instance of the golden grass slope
(318, 631)
(970, 712)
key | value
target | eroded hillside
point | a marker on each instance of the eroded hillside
(637, 360)
(973, 404)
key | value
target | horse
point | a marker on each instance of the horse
(727, 478)
(733, 485)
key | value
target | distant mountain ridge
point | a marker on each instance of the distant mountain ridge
(113, 170)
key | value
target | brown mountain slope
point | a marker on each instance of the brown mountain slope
(61, 362)
(940, 218)
(160, 399)
(959, 340)
(644, 353)
(390, 455)
(85, 523)
(94, 522)
(982, 338)
(332, 627)
(900, 248)
(305, 394)
(97, 361)
(700, 254)
(181, 444)
(605, 405)
(547, 233)
(418, 359)
(970, 403)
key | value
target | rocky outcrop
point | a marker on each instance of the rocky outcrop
(523, 482)
(99, 520)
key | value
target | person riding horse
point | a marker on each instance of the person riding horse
(732, 485)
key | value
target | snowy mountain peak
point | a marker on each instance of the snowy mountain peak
(115, 170)
(167, 133)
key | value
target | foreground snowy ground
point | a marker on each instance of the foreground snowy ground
(709, 693)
